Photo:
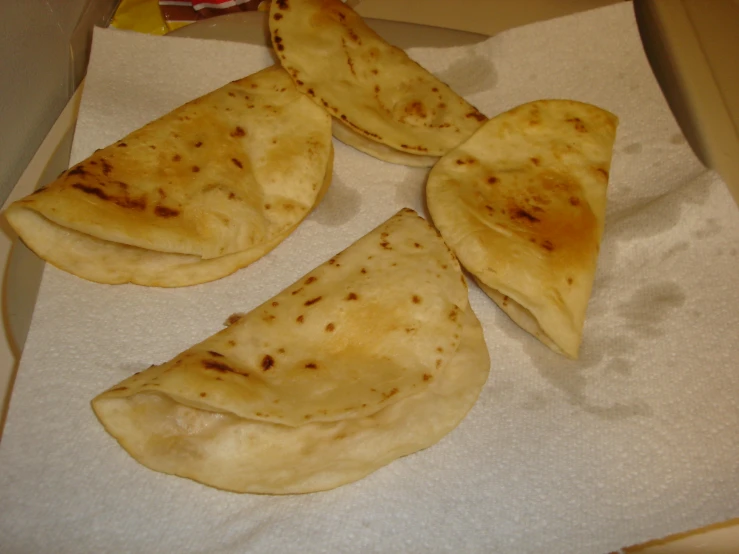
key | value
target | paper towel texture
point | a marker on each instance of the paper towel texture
(636, 440)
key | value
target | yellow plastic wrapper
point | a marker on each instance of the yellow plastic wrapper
(143, 16)
(158, 17)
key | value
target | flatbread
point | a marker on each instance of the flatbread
(522, 204)
(374, 89)
(192, 196)
(371, 356)
(379, 150)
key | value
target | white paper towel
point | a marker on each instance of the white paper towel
(636, 440)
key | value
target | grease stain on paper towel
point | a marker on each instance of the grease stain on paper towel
(711, 229)
(675, 249)
(340, 204)
(633, 148)
(649, 306)
(472, 73)
(607, 355)
(653, 216)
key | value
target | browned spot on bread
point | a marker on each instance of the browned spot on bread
(238, 132)
(351, 296)
(277, 16)
(176, 158)
(419, 148)
(574, 200)
(107, 167)
(416, 299)
(523, 214)
(164, 211)
(299, 319)
(195, 169)
(237, 163)
(330, 327)
(203, 395)
(476, 115)
(122, 201)
(215, 354)
(218, 366)
(77, 170)
(579, 125)
(268, 362)
(312, 301)
(198, 144)
(416, 108)
(121, 145)
(547, 245)
(297, 291)
(535, 161)
(118, 389)
(233, 318)
(311, 365)
(427, 377)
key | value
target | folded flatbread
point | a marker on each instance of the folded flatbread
(192, 196)
(383, 103)
(522, 204)
(371, 356)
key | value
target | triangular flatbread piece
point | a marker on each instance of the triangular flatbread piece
(371, 356)
(383, 103)
(522, 203)
(192, 196)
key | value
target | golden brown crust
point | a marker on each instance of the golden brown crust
(371, 356)
(372, 87)
(522, 204)
(228, 173)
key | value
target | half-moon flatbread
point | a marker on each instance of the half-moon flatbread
(522, 204)
(375, 91)
(371, 356)
(192, 196)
